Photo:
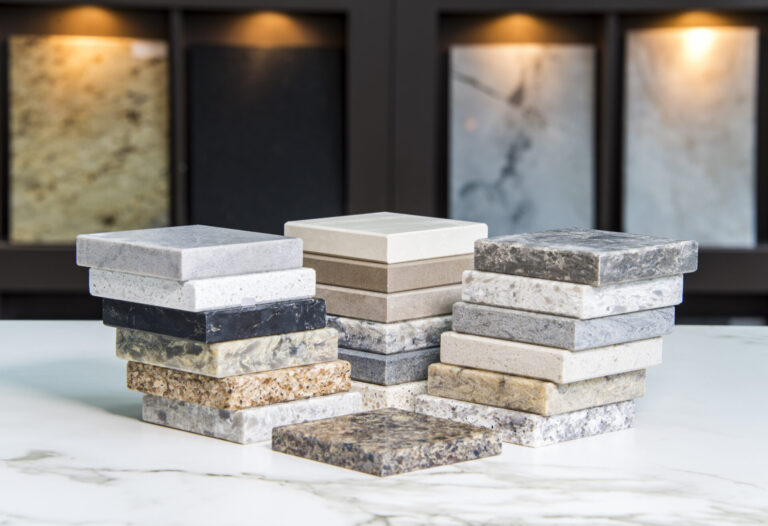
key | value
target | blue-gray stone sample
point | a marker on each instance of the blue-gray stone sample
(390, 369)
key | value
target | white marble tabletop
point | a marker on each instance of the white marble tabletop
(73, 451)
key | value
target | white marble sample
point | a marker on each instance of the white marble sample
(521, 136)
(188, 252)
(389, 338)
(400, 396)
(574, 300)
(527, 429)
(387, 237)
(204, 294)
(245, 426)
(547, 363)
(690, 154)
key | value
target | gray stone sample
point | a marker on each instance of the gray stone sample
(400, 396)
(390, 369)
(389, 338)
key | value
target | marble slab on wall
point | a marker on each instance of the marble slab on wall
(690, 117)
(88, 136)
(521, 136)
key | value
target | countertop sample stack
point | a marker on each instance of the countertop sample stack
(220, 328)
(554, 332)
(389, 282)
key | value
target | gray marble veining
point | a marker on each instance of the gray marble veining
(389, 338)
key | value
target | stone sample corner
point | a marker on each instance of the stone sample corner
(390, 369)
(401, 396)
(389, 338)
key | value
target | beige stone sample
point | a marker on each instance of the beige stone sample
(400, 396)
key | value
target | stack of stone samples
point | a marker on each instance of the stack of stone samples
(389, 282)
(555, 331)
(220, 328)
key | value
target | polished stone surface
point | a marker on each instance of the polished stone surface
(401, 396)
(389, 338)
(386, 442)
(529, 394)
(242, 391)
(560, 331)
(390, 369)
(228, 358)
(592, 257)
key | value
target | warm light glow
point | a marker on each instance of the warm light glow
(90, 19)
(272, 29)
(698, 42)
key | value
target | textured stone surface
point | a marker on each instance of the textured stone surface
(531, 430)
(386, 442)
(592, 257)
(204, 294)
(231, 357)
(402, 396)
(529, 394)
(381, 277)
(389, 308)
(389, 338)
(559, 331)
(188, 252)
(547, 363)
(245, 426)
(245, 390)
(387, 237)
(570, 299)
(390, 369)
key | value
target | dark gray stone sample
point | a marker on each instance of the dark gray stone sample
(390, 369)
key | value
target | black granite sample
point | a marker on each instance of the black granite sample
(390, 369)
(218, 325)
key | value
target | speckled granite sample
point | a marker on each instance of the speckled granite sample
(245, 426)
(531, 430)
(188, 252)
(529, 394)
(389, 308)
(381, 277)
(570, 299)
(559, 331)
(204, 294)
(390, 369)
(386, 442)
(88, 136)
(243, 391)
(389, 338)
(547, 363)
(218, 325)
(402, 396)
(229, 358)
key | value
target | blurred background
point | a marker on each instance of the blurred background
(634, 115)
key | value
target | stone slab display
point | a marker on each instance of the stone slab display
(245, 426)
(389, 338)
(382, 277)
(390, 369)
(559, 331)
(592, 257)
(529, 394)
(204, 294)
(229, 358)
(243, 391)
(547, 363)
(386, 442)
(188, 252)
(531, 430)
(401, 396)
(387, 237)
(573, 300)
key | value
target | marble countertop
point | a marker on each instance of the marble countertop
(72, 451)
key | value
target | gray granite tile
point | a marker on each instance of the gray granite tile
(389, 338)
(390, 369)
(400, 396)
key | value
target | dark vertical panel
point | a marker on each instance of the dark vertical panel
(761, 143)
(178, 121)
(609, 127)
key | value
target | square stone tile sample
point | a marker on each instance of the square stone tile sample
(387, 237)
(531, 430)
(389, 338)
(87, 136)
(521, 135)
(188, 252)
(559, 331)
(529, 394)
(383, 277)
(389, 308)
(547, 363)
(386, 442)
(198, 295)
(243, 391)
(401, 396)
(573, 300)
(245, 426)
(690, 155)
(390, 369)
(218, 325)
(592, 257)
(229, 358)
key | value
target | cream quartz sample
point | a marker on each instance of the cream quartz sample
(401, 396)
